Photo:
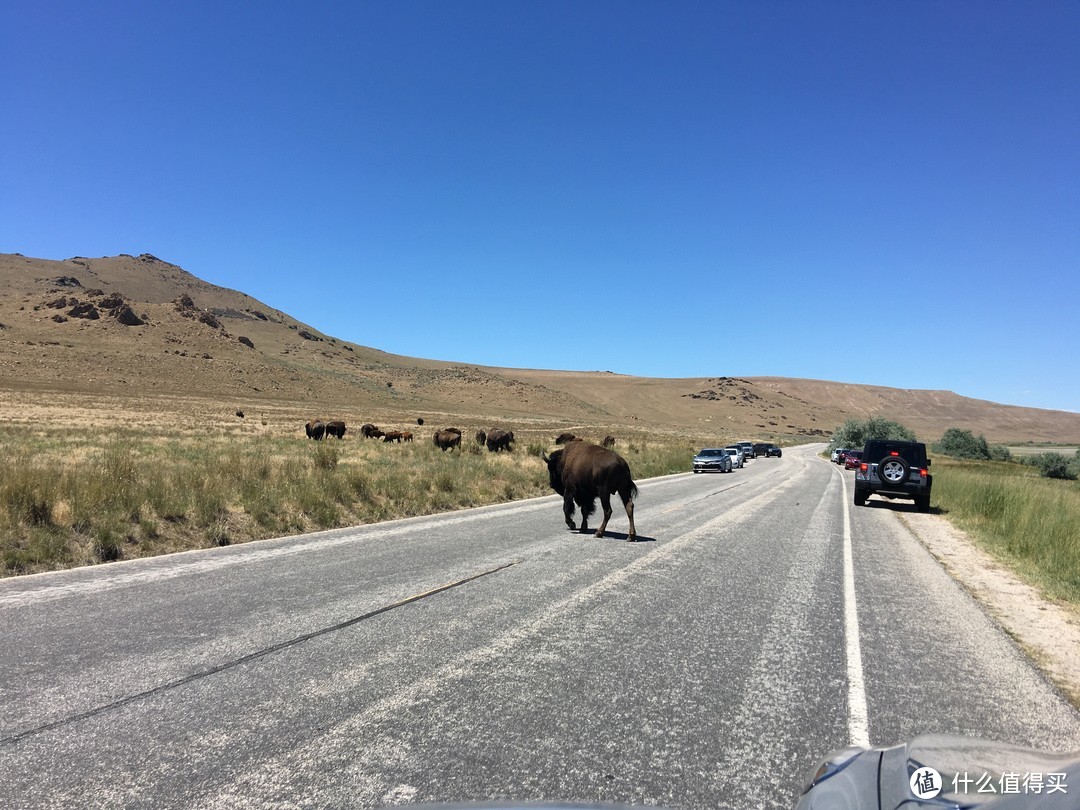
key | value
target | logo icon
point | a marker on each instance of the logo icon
(926, 783)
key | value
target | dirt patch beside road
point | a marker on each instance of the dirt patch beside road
(1047, 631)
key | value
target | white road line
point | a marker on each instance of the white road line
(858, 716)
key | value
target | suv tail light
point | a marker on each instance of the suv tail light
(864, 467)
(922, 472)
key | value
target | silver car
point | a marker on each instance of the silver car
(712, 459)
(738, 455)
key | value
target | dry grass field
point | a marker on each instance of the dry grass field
(122, 381)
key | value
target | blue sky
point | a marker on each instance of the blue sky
(880, 193)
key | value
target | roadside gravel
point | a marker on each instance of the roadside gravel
(1047, 631)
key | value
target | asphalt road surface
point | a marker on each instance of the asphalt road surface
(492, 654)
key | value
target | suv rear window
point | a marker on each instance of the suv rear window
(914, 453)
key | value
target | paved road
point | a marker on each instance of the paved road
(492, 654)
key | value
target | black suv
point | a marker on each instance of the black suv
(894, 469)
(765, 449)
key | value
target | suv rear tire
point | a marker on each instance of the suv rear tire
(894, 469)
(860, 498)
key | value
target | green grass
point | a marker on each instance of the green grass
(81, 496)
(1031, 523)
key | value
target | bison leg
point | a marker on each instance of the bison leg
(588, 506)
(628, 502)
(630, 516)
(568, 509)
(605, 504)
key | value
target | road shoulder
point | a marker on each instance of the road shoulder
(1048, 632)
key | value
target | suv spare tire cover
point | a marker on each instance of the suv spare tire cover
(894, 469)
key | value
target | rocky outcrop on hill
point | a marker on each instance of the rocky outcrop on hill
(730, 389)
(186, 307)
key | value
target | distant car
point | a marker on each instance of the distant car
(852, 459)
(772, 450)
(835, 457)
(748, 450)
(738, 457)
(712, 459)
(842, 456)
(760, 449)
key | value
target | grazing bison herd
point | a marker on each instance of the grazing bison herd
(579, 471)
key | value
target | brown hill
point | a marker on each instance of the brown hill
(139, 336)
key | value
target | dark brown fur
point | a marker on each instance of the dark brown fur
(500, 440)
(581, 472)
(447, 439)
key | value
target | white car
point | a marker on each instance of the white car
(736, 453)
(835, 457)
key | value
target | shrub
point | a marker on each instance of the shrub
(1053, 465)
(856, 432)
(962, 444)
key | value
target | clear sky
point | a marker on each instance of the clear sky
(884, 193)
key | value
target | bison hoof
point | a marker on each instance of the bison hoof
(599, 533)
(632, 538)
(571, 524)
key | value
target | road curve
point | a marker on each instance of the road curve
(493, 654)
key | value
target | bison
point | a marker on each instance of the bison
(315, 430)
(447, 439)
(609, 442)
(369, 431)
(580, 472)
(481, 437)
(335, 429)
(393, 436)
(563, 438)
(406, 436)
(500, 440)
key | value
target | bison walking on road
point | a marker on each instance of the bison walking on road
(315, 430)
(500, 440)
(580, 472)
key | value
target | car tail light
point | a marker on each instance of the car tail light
(894, 452)
(922, 472)
(864, 467)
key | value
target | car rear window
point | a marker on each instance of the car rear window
(912, 452)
